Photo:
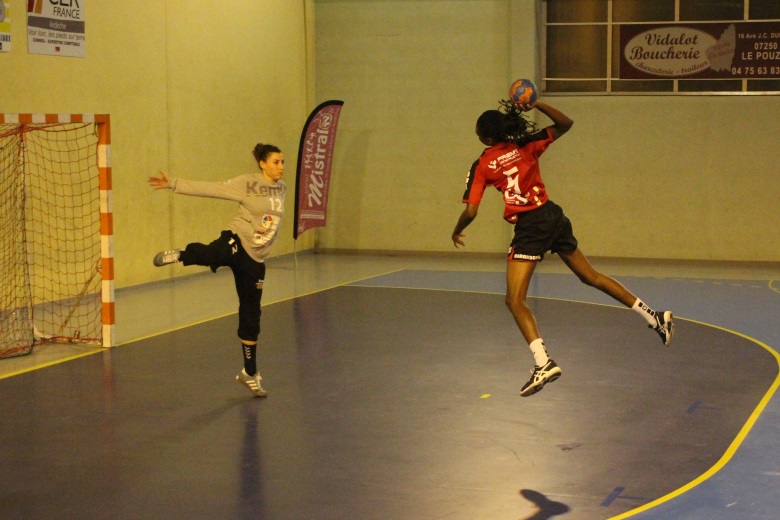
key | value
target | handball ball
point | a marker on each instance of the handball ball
(522, 92)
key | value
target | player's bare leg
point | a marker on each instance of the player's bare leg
(579, 265)
(661, 322)
(518, 278)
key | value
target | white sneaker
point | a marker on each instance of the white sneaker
(252, 383)
(167, 257)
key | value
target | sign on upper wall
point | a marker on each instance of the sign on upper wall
(56, 27)
(5, 27)
(738, 50)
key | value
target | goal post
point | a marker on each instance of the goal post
(56, 231)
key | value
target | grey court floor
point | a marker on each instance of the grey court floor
(395, 396)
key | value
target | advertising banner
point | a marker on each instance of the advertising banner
(315, 156)
(56, 27)
(732, 50)
(5, 26)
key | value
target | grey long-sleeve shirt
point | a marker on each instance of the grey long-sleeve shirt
(260, 207)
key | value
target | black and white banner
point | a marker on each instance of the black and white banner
(56, 27)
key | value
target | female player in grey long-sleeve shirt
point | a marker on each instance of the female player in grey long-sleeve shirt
(243, 245)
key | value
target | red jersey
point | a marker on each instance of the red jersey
(514, 171)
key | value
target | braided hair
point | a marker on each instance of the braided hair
(507, 125)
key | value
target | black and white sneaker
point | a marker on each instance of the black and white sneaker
(664, 326)
(252, 383)
(540, 376)
(167, 257)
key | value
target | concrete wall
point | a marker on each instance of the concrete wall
(678, 177)
(191, 87)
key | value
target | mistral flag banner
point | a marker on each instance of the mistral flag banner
(315, 157)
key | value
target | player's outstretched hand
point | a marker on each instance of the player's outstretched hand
(457, 239)
(159, 182)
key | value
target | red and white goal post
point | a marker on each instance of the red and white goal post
(56, 231)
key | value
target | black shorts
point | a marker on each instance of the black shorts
(541, 230)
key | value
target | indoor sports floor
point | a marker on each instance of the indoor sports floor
(393, 394)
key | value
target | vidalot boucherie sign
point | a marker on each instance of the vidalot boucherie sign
(708, 50)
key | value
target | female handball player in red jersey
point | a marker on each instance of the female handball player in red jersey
(511, 165)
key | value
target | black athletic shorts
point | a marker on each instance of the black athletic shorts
(541, 230)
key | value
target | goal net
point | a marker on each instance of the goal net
(56, 258)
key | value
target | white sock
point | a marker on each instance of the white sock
(539, 352)
(646, 312)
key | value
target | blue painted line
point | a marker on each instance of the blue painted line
(612, 497)
(699, 405)
(617, 493)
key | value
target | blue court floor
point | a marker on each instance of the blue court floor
(743, 484)
(317, 436)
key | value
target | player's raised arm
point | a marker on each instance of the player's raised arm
(561, 122)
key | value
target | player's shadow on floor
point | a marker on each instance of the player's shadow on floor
(547, 508)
